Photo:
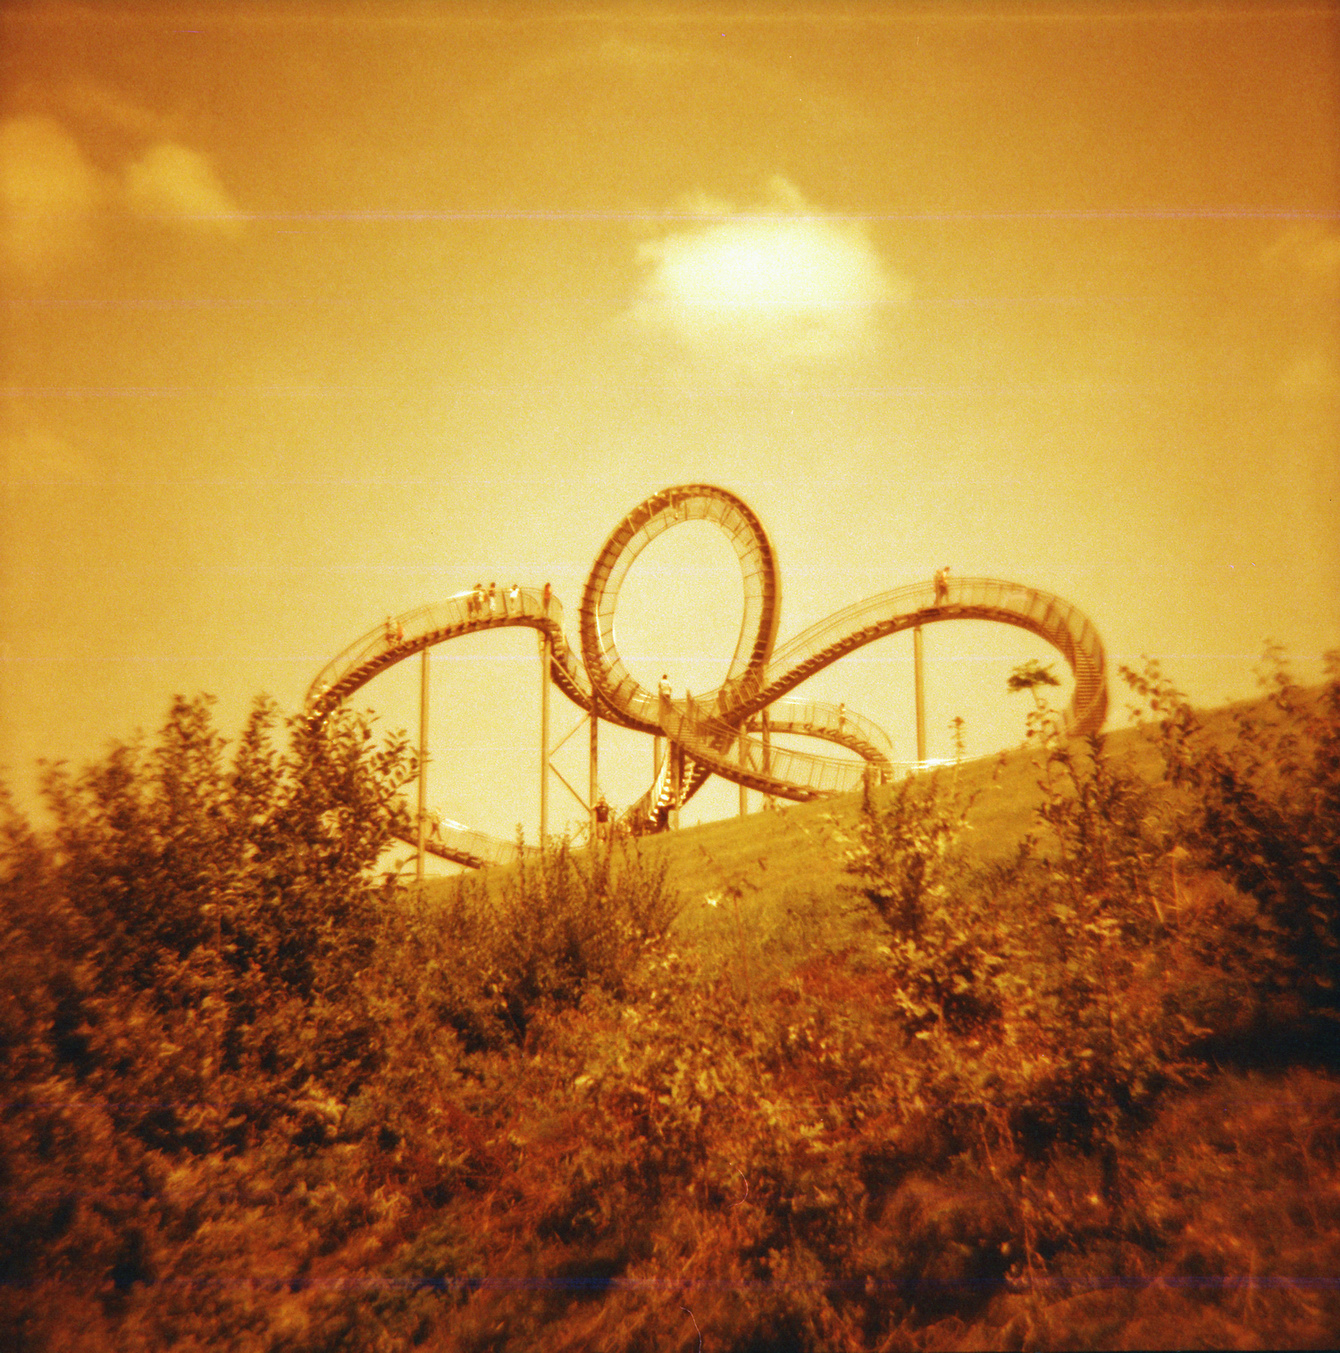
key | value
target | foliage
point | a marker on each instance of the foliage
(1260, 808)
(1031, 676)
(256, 1099)
(902, 853)
(546, 937)
(160, 852)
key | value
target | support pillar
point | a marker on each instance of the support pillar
(919, 680)
(423, 764)
(765, 736)
(593, 797)
(676, 782)
(544, 735)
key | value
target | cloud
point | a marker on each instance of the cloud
(765, 291)
(33, 455)
(171, 182)
(1308, 254)
(54, 203)
(1311, 371)
(1306, 259)
(50, 196)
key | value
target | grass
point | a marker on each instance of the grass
(775, 875)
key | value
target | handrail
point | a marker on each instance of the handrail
(717, 731)
(462, 845)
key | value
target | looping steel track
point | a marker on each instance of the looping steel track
(719, 733)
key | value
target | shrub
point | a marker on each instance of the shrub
(253, 1100)
(160, 852)
(491, 954)
(1261, 807)
(175, 954)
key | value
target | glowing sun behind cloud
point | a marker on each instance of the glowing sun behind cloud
(768, 290)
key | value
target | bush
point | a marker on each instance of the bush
(163, 851)
(175, 954)
(1260, 806)
(491, 954)
(255, 1100)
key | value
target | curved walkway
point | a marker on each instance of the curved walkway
(721, 732)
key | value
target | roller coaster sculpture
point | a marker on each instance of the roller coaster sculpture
(727, 732)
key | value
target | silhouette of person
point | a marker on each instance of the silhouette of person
(942, 585)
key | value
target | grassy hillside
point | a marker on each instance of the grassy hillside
(777, 873)
(854, 1075)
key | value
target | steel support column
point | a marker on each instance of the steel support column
(919, 681)
(594, 796)
(765, 737)
(544, 735)
(423, 765)
(676, 782)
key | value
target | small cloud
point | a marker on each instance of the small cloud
(1311, 373)
(174, 183)
(1309, 252)
(55, 203)
(765, 291)
(49, 197)
(34, 456)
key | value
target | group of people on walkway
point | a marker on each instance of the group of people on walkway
(487, 602)
(484, 603)
(480, 602)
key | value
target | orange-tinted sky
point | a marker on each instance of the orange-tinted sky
(317, 313)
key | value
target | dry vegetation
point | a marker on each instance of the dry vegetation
(948, 1067)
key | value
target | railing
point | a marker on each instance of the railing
(780, 770)
(709, 728)
(822, 718)
(465, 846)
(1055, 620)
(790, 773)
(407, 633)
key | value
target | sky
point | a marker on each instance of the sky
(315, 313)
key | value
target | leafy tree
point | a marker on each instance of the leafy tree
(1260, 806)
(1031, 676)
(164, 850)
